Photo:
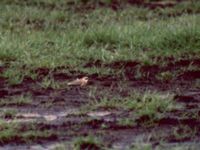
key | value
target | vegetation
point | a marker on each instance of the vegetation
(88, 142)
(17, 100)
(9, 113)
(152, 104)
(32, 37)
(138, 56)
(11, 132)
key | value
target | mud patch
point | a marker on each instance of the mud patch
(63, 115)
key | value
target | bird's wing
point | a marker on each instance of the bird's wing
(75, 82)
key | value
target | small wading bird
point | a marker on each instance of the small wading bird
(79, 82)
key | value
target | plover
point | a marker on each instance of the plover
(79, 82)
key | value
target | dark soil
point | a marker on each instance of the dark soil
(65, 104)
(91, 5)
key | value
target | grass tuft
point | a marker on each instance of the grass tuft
(88, 142)
(152, 104)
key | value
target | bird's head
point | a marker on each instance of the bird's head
(85, 78)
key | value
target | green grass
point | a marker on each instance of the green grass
(49, 82)
(126, 122)
(182, 8)
(33, 37)
(165, 76)
(17, 100)
(12, 132)
(182, 132)
(9, 113)
(141, 146)
(88, 142)
(152, 104)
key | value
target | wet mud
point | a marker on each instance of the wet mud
(84, 6)
(58, 110)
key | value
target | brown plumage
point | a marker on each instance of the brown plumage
(79, 82)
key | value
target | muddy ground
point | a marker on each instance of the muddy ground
(58, 110)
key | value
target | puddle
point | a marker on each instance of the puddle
(50, 117)
(98, 113)
(24, 120)
(59, 111)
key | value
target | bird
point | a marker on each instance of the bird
(79, 82)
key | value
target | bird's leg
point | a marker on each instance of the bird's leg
(78, 89)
